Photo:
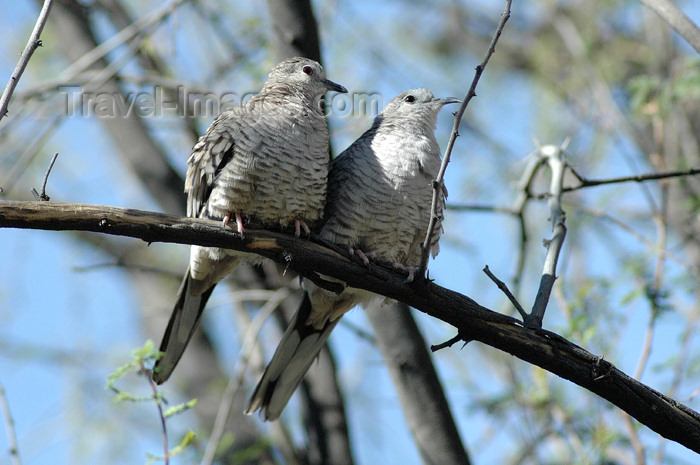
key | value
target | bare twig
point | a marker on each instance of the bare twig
(477, 207)
(25, 159)
(502, 286)
(439, 180)
(555, 158)
(636, 178)
(159, 404)
(448, 343)
(33, 43)
(43, 196)
(677, 20)
(10, 427)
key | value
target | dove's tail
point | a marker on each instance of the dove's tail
(295, 353)
(183, 322)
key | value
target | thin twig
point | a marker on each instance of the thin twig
(448, 343)
(159, 405)
(502, 286)
(477, 207)
(33, 43)
(636, 178)
(10, 427)
(43, 195)
(438, 183)
(25, 159)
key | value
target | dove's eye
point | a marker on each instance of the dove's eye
(409, 99)
(308, 70)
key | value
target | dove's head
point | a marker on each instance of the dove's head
(416, 106)
(302, 76)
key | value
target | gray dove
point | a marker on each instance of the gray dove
(378, 207)
(264, 163)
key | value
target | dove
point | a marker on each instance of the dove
(378, 207)
(264, 163)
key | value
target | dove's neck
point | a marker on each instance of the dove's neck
(423, 127)
(285, 93)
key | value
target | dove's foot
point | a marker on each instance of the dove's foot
(365, 257)
(298, 226)
(411, 270)
(239, 222)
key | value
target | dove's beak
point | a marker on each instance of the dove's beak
(446, 100)
(336, 87)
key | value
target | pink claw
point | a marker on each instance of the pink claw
(411, 270)
(239, 223)
(365, 257)
(298, 226)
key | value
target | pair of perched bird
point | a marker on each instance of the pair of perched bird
(267, 162)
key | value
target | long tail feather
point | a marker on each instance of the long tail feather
(295, 353)
(183, 321)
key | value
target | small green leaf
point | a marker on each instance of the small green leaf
(177, 409)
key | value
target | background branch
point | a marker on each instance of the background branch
(677, 20)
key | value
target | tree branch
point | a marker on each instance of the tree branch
(676, 19)
(33, 43)
(10, 427)
(545, 349)
(555, 159)
(633, 178)
(438, 183)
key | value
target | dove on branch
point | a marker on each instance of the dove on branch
(264, 163)
(379, 200)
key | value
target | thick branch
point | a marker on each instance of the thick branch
(545, 349)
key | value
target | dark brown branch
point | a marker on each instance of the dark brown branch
(545, 349)
(502, 286)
